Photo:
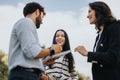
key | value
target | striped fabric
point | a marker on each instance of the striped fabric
(59, 70)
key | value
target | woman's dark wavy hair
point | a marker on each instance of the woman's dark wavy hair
(102, 12)
(66, 47)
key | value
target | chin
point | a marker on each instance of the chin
(92, 23)
(60, 44)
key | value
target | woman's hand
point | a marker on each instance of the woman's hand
(50, 62)
(81, 50)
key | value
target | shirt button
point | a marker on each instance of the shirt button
(101, 65)
(101, 45)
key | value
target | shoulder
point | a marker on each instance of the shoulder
(117, 22)
(113, 28)
(21, 23)
(113, 25)
(24, 21)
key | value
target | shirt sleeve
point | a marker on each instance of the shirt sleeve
(27, 38)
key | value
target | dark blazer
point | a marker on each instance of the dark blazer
(106, 59)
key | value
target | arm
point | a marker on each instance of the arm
(27, 36)
(47, 52)
(109, 55)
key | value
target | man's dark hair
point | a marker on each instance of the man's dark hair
(31, 7)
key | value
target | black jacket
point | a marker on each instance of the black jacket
(106, 59)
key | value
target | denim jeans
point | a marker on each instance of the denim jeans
(23, 75)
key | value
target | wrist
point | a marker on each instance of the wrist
(52, 52)
(86, 54)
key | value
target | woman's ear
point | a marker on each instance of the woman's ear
(37, 12)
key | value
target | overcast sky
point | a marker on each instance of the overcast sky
(69, 15)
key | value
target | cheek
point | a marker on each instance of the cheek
(93, 20)
(57, 40)
(64, 40)
(60, 40)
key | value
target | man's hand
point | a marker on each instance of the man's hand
(57, 48)
(44, 77)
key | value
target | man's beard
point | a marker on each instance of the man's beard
(38, 21)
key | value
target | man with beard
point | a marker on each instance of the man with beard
(25, 53)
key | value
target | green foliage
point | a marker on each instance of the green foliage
(3, 68)
(79, 76)
(43, 46)
(82, 76)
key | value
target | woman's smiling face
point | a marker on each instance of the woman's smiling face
(60, 38)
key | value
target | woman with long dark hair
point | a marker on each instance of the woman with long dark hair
(63, 68)
(105, 57)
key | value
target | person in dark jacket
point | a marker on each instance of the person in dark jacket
(105, 57)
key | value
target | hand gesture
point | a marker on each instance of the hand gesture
(57, 48)
(81, 50)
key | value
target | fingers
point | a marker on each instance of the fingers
(77, 49)
(60, 46)
(57, 48)
(44, 77)
(51, 61)
(81, 50)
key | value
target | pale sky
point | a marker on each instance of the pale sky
(69, 15)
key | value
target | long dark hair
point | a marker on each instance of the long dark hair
(102, 12)
(65, 47)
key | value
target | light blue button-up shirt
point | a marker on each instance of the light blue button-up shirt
(24, 45)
